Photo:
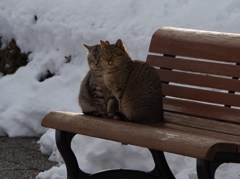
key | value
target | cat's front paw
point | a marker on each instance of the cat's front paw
(119, 93)
(119, 116)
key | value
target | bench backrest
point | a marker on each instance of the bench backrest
(200, 72)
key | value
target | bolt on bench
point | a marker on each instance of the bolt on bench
(201, 99)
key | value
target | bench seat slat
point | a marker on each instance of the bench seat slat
(198, 131)
(205, 124)
(201, 95)
(166, 139)
(194, 65)
(199, 80)
(202, 110)
(196, 44)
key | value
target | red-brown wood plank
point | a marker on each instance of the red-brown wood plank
(201, 95)
(199, 80)
(154, 137)
(233, 130)
(202, 110)
(198, 44)
(194, 65)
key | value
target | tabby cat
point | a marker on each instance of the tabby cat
(135, 84)
(95, 98)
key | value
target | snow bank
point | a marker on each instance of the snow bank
(54, 30)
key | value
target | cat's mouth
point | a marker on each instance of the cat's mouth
(110, 62)
(97, 62)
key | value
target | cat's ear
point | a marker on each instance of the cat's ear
(104, 44)
(107, 42)
(87, 47)
(119, 44)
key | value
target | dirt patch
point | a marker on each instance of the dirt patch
(21, 158)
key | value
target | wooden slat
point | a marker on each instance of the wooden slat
(191, 130)
(203, 123)
(197, 44)
(202, 110)
(199, 80)
(229, 70)
(201, 95)
(158, 138)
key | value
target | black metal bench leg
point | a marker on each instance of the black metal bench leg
(161, 166)
(206, 169)
(63, 140)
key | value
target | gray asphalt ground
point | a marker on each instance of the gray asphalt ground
(20, 158)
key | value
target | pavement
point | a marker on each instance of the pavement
(20, 158)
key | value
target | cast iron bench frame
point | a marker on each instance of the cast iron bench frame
(201, 99)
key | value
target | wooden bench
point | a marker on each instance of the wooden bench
(201, 98)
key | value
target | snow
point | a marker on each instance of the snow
(61, 28)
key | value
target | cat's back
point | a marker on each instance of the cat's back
(142, 100)
(143, 77)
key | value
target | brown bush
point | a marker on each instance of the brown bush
(11, 57)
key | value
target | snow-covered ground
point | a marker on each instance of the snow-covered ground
(61, 28)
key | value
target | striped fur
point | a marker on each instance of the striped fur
(135, 84)
(95, 98)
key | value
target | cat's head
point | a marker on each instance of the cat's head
(112, 54)
(93, 56)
